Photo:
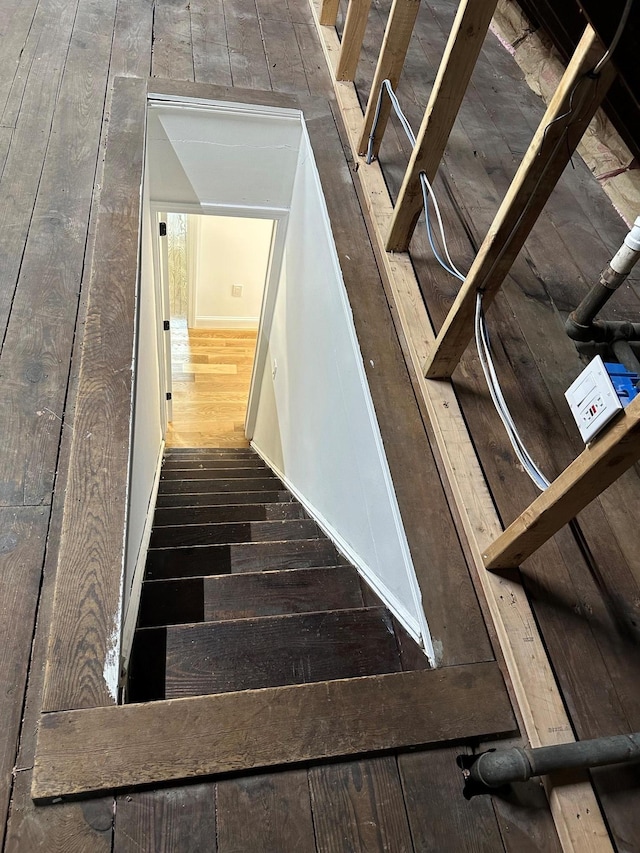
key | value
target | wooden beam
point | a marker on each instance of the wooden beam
(82, 667)
(83, 752)
(352, 38)
(596, 468)
(574, 807)
(571, 109)
(329, 12)
(461, 53)
(393, 52)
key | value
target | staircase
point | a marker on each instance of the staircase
(242, 590)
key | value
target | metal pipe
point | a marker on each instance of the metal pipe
(626, 356)
(580, 325)
(494, 769)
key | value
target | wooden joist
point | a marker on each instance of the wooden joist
(393, 52)
(83, 752)
(574, 807)
(354, 29)
(571, 109)
(329, 12)
(461, 52)
(596, 468)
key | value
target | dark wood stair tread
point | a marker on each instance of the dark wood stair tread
(246, 654)
(251, 472)
(224, 498)
(199, 560)
(173, 516)
(187, 464)
(209, 599)
(230, 532)
(235, 484)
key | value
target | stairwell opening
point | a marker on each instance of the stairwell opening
(310, 413)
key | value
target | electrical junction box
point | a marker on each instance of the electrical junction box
(624, 381)
(592, 399)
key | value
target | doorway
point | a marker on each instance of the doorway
(216, 273)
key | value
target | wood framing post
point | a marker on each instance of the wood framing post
(582, 481)
(329, 12)
(458, 61)
(354, 28)
(393, 52)
(571, 109)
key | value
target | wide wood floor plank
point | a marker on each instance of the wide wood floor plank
(23, 168)
(267, 813)
(167, 821)
(132, 39)
(172, 44)
(211, 61)
(246, 52)
(359, 806)
(45, 302)
(23, 534)
(439, 817)
(122, 746)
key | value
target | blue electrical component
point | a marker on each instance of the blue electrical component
(624, 382)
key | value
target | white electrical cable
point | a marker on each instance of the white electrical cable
(480, 327)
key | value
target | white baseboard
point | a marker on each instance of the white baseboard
(403, 616)
(204, 322)
(131, 617)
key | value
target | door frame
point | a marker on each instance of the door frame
(280, 218)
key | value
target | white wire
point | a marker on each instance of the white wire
(480, 327)
(425, 182)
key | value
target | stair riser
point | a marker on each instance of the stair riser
(225, 534)
(173, 516)
(245, 596)
(239, 484)
(197, 473)
(235, 559)
(203, 499)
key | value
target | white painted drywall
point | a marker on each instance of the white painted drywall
(228, 158)
(315, 419)
(230, 251)
(147, 425)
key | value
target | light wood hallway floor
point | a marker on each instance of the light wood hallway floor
(211, 373)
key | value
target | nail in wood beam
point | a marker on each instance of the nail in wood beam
(393, 52)
(329, 12)
(352, 38)
(461, 53)
(571, 109)
(582, 481)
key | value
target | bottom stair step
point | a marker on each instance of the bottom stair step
(128, 746)
(242, 596)
(246, 654)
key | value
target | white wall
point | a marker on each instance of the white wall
(315, 420)
(230, 251)
(199, 157)
(147, 425)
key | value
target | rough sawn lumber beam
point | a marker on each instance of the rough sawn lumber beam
(458, 61)
(572, 107)
(597, 467)
(84, 752)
